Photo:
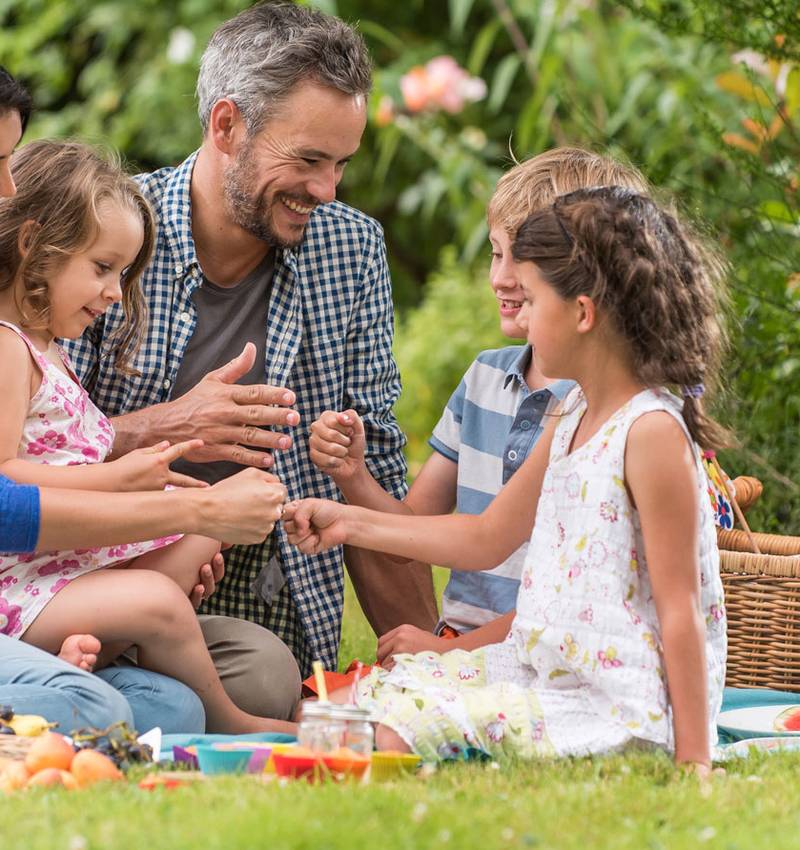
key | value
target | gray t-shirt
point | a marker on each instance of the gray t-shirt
(227, 318)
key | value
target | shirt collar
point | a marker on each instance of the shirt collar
(176, 218)
(516, 372)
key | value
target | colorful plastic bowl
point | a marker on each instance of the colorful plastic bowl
(346, 764)
(299, 766)
(389, 765)
(223, 758)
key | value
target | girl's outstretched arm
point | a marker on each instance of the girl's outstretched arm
(459, 541)
(663, 485)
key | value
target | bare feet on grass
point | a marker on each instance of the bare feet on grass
(81, 651)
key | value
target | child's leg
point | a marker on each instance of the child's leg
(180, 561)
(150, 610)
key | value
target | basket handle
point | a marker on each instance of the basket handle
(736, 509)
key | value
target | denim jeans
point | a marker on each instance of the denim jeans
(35, 682)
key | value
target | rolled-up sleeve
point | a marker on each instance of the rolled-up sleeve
(373, 381)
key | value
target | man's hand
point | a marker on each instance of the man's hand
(315, 525)
(208, 578)
(228, 417)
(148, 469)
(336, 445)
(408, 638)
(243, 508)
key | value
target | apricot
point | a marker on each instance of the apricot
(89, 766)
(49, 750)
(13, 777)
(52, 776)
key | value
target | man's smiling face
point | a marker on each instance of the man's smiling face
(294, 163)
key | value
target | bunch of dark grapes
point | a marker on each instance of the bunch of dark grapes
(6, 713)
(118, 742)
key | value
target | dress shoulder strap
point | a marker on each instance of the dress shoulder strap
(38, 358)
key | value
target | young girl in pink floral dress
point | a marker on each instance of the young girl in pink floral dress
(74, 241)
(619, 636)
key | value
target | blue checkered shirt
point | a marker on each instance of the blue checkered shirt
(328, 338)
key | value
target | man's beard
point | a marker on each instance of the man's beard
(250, 211)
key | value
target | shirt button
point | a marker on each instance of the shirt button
(167, 383)
(512, 455)
(525, 425)
(184, 317)
(179, 269)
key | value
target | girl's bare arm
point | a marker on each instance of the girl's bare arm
(663, 485)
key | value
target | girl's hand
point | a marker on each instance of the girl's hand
(336, 445)
(315, 525)
(148, 469)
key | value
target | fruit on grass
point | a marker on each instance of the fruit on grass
(13, 777)
(118, 742)
(89, 767)
(49, 750)
(28, 725)
(52, 776)
(788, 720)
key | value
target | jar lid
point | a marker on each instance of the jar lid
(349, 712)
(317, 709)
(331, 711)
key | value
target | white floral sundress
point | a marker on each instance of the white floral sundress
(63, 428)
(581, 671)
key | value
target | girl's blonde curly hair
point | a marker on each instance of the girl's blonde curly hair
(57, 214)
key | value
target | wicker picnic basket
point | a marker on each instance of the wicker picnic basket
(762, 600)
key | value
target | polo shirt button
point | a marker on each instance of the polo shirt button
(525, 425)
(179, 269)
(512, 455)
(167, 383)
(184, 317)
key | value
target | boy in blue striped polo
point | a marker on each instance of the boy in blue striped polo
(490, 424)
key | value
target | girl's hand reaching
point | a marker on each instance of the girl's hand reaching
(336, 445)
(315, 525)
(148, 469)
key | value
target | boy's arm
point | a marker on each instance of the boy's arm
(411, 639)
(462, 542)
(655, 479)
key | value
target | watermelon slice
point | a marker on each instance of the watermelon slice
(788, 720)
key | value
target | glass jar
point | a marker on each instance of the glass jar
(325, 727)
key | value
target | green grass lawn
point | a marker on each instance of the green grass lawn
(636, 802)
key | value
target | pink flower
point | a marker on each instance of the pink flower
(384, 114)
(50, 441)
(441, 84)
(57, 566)
(414, 87)
(60, 584)
(9, 618)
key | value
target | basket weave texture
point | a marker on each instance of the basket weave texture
(762, 600)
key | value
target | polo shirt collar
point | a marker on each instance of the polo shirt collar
(516, 372)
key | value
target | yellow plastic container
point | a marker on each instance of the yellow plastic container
(388, 765)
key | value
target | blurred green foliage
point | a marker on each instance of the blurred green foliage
(653, 81)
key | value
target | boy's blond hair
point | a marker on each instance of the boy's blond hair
(535, 183)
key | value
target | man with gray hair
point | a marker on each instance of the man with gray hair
(270, 302)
